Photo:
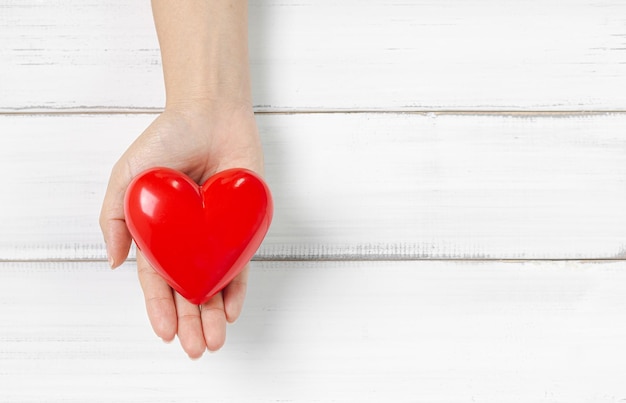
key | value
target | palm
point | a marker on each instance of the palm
(198, 143)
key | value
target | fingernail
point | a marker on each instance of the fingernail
(110, 258)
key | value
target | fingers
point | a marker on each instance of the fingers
(159, 300)
(214, 322)
(170, 314)
(118, 240)
(234, 295)
(190, 331)
(112, 223)
(200, 328)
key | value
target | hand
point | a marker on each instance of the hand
(198, 139)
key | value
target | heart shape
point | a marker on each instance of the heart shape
(198, 238)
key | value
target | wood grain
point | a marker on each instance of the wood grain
(514, 149)
(311, 331)
(328, 55)
(353, 186)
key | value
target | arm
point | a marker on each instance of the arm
(204, 47)
(207, 126)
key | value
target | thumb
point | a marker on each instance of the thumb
(112, 220)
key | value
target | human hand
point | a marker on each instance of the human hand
(198, 139)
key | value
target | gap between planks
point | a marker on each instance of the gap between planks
(349, 259)
(281, 111)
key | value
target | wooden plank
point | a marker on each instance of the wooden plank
(311, 331)
(320, 55)
(353, 186)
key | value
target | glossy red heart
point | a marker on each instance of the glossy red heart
(198, 237)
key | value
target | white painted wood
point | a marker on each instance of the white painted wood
(374, 186)
(347, 186)
(311, 331)
(313, 54)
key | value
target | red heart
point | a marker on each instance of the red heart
(198, 237)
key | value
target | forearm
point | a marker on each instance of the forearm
(204, 48)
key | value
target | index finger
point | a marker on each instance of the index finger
(112, 220)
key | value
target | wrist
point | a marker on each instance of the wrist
(209, 106)
(209, 85)
(208, 100)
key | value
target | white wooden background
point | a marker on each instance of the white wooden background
(450, 185)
